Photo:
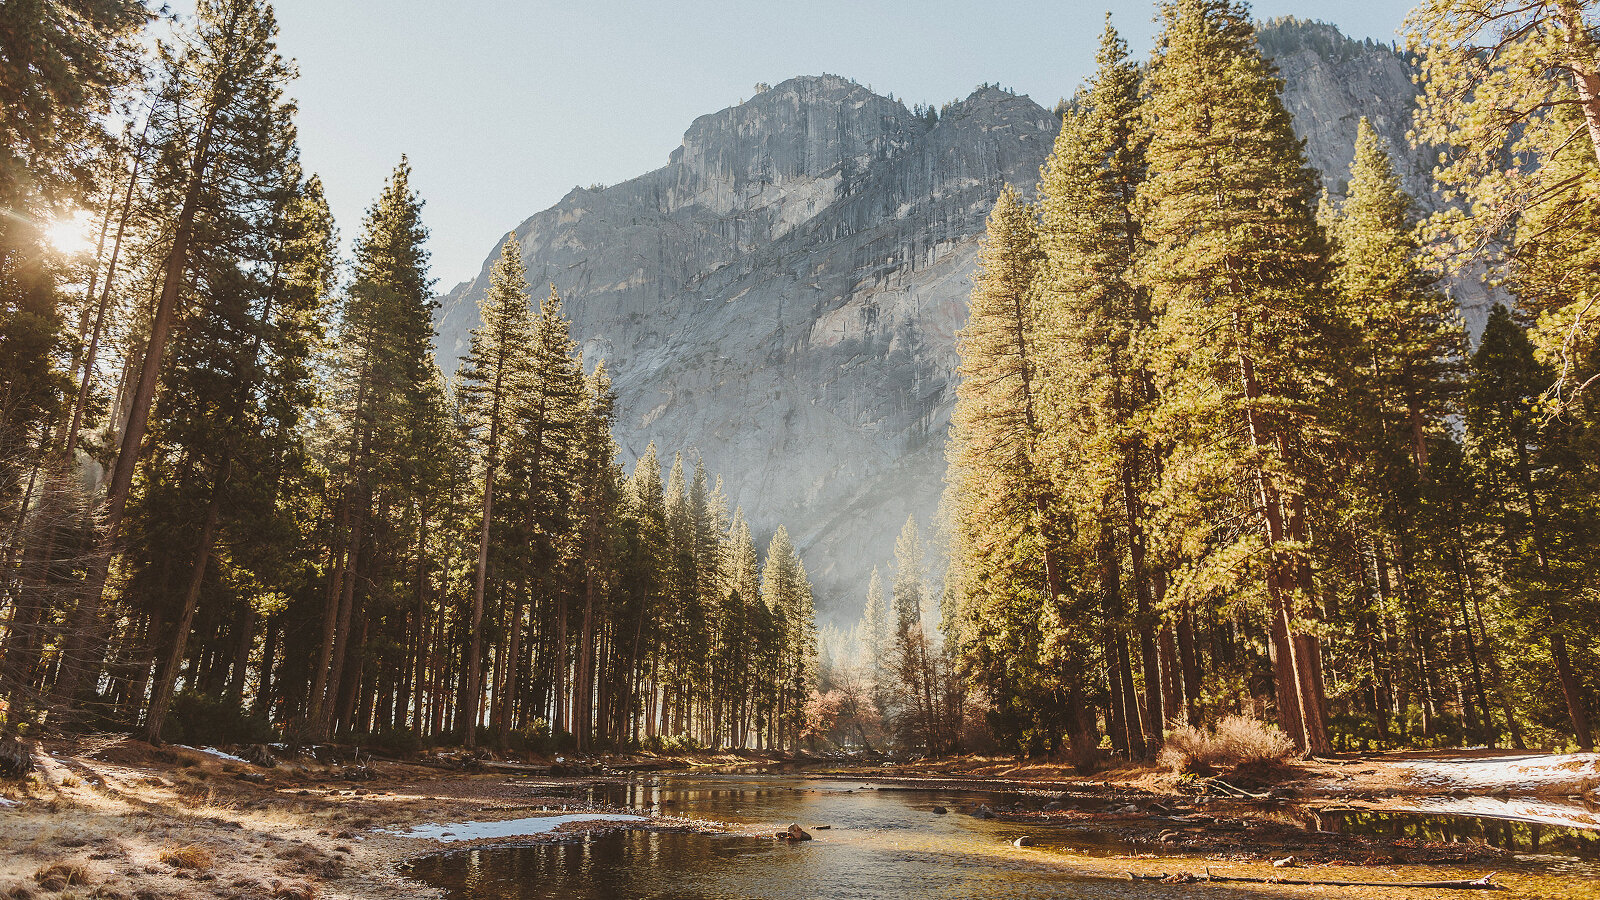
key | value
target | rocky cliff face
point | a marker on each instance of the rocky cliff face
(783, 295)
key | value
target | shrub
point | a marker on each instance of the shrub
(680, 743)
(57, 876)
(189, 857)
(394, 741)
(203, 719)
(1236, 741)
(293, 890)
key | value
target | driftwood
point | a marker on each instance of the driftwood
(1482, 884)
(1219, 786)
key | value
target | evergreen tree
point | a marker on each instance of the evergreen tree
(493, 375)
(1540, 557)
(1100, 391)
(385, 387)
(1236, 271)
(228, 79)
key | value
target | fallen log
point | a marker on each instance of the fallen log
(1486, 883)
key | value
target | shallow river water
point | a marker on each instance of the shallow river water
(888, 843)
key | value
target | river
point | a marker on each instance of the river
(884, 841)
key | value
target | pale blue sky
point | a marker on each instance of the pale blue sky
(504, 106)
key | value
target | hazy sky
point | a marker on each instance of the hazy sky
(504, 106)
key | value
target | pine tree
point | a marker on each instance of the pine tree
(231, 77)
(1235, 270)
(1414, 341)
(786, 594)
(1504, 440)
(875, 636)
(493, 375)
(1100, 390)
(1008, 550)
(385, 385)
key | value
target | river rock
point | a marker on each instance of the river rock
(939, 810)
(1023, 841)
(1052, 806)
(794, 833)
(983, 812)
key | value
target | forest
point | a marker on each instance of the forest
(241, 501)
(1222, 443)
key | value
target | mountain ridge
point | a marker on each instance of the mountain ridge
(783, 295)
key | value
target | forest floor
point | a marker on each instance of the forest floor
(116, 819)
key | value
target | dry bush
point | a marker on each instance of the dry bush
(187, 857)
(309, 860)
(293, 890)
(1237, 741)
(18, 892)
(58, 876)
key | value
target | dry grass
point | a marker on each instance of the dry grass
(1236, 741)
(61, 875)
(293, 890)
(309, 860)
(187, 857)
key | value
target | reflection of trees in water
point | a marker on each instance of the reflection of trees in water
(1521, 837)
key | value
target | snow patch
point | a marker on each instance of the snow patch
(211, 751)
(5, 802)
(472, 831)
(1533, 772)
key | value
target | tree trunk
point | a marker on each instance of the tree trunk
(167, 675)
(84, 633)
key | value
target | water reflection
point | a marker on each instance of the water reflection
(1518, 837)
(880, 844)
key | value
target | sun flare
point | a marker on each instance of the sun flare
(72, 233)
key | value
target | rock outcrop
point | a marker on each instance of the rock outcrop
(783, 295)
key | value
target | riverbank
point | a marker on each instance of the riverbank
(120, 820)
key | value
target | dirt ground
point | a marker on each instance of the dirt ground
(115, 819)
(121, 820)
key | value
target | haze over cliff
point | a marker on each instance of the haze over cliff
(783, 295)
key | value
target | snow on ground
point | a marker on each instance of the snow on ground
(1544, 812)
(472, 831)
(5, 802)
(1534, 773)
(217, 753)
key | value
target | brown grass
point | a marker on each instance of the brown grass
(293, 890)
(309, 860)
(1237, 741)
(61, 875)
(187, 857)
